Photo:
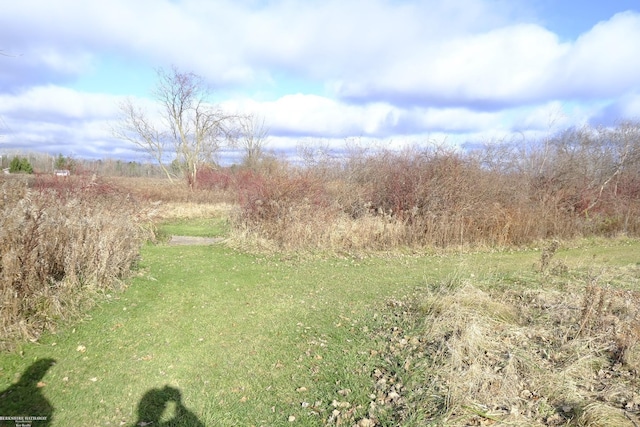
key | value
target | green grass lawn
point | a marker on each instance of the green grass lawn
(241, 340)
(200, 227)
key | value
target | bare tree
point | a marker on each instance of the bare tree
(191, 130)
(251, 136)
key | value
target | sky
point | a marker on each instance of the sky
(382, 72)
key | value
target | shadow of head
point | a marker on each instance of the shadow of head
(155, 402)
(34, 373)
(25, 396)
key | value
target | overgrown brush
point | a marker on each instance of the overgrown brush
(60, 246)
(282, 208)
(162, 190)
(579, 183)
(460, 355)
(387, 202)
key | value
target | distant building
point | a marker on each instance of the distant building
(62, 172)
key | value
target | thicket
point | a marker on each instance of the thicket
(580, 182)
(63, 242)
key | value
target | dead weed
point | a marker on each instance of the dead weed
(460, 355)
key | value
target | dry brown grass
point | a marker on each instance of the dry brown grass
(59, 248)
(532, 356)
(319, 229)
(187, 210)
(162, 190)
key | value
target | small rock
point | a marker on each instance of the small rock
(366, 422)
(393, 396)
(292, 418)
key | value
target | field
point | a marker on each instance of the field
(426, 287)
(216, 336)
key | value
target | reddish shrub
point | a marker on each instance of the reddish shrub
(214, 179)
(268, 198)
(75, 186)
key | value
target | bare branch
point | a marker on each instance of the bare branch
(251, 135)
(135, 127)
(194, 130)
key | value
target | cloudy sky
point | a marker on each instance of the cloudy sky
(389, 72)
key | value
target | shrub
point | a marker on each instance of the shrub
(213, 178)
(59, 252)
(287, 209)
(578, 183)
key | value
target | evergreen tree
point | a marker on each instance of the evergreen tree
(20, 165)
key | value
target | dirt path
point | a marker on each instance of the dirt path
(191, 240)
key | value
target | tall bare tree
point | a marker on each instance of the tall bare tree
(251, 135)
(190, 131)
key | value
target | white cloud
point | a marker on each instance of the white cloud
(389, 69)
(55, 119)
(511, 65)
(232, 41)
(626, 107)
(452, 53)
(603, 62)
(44, 102)
(313, 115)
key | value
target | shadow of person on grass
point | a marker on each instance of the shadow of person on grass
(156, 401)
(25, 398)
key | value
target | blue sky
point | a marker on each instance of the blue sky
(389, 72)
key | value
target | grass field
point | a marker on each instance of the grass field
(219, 337)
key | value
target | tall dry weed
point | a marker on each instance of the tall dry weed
(162, 190)
(538, 357)
(59, 248)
